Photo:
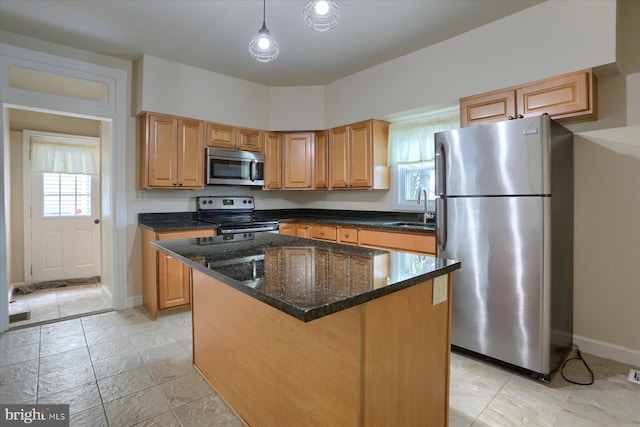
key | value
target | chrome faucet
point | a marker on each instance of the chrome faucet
(426, 215)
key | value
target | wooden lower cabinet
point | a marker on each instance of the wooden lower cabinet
(382, 363)
(303, 230)
(287, 228)
(166, 282)
(408, 242)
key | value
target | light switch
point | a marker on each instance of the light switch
(440, 289)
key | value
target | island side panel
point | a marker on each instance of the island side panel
(406, 359)
(272, 369)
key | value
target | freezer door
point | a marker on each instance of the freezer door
(506, 158)
(500, 302)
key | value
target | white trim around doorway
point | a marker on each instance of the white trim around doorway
(112, 114)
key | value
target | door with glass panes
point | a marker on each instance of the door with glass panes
(65, 226)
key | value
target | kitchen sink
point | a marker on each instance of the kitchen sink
(412, 225)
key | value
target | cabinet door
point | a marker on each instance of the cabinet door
(162, 153)
(190, 153)
(360, 155)
(250, 139)
(488, 108)
(222, 136)
(339, 157)
(287, 229)
(174, 280)
(561, 97)
(298, 160)
(321, 169)
(303, 230)
(273, 161)
(174, 277)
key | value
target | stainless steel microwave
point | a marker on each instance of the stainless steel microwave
(233, 167)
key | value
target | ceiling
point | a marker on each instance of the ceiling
(214, 35)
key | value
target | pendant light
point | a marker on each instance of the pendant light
(263, 48)
(322, 15)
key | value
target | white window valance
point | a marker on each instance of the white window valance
(411, 141)
(55, 156)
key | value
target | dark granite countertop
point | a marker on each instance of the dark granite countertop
(305, 278)
(379, 220)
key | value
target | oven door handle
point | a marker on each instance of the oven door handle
(247, 230)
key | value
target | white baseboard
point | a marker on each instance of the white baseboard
(106, 294)
(134, 301)
(607, 350)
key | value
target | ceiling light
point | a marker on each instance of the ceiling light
(263, 48)
(321, 15)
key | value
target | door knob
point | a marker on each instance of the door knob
(96, 221)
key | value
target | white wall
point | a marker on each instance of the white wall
(296, 108)
(181, 90)
(551, 38)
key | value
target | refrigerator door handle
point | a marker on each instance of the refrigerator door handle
(441, 163)
(441, 224)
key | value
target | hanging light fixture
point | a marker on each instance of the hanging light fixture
(263, 48)
(322, 15)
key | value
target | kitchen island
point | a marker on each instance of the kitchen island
(293, 331)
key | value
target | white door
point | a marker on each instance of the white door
(65, 226)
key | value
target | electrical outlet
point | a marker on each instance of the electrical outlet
(634, 376)
(141, 195)
(440, 290)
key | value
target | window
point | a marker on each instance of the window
(66, 195)
(411, 156)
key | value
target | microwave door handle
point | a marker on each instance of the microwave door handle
(252, 170)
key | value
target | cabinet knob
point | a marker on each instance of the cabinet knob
(520, 116)
(322, 233)
(510, 117)
(175, 183)
(180, 184)
(346, 235)
(308, 185)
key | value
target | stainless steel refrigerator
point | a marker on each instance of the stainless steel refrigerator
(504, 208)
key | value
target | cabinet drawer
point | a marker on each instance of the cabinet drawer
(348, 235)
(324, 232)
(409, 242)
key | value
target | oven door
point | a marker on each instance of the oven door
(233, 167)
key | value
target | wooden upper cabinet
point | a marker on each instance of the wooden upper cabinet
(250, 139)
(221, 136)
(172, 153)
(321, 167)
(234, 138)
(488, 108)
(191, 153)
(273, 161)
(339, 157)
(358, 156)
(568, 98)
(298, 160)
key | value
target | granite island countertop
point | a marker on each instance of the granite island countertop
(305, 278)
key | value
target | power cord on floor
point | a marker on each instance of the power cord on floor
(578, 356)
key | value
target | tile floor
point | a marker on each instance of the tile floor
(123, 369)
(56, 303)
